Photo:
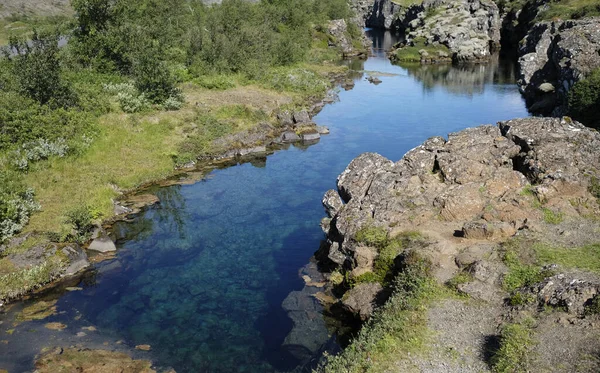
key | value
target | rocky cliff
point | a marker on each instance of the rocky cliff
(525, 187)
(554, 55)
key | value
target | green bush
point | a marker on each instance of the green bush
(81, 220)
(16, 204)
(24, 120)
(584, 100)
(37, 70)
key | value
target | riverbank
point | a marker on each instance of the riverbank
(115, 148)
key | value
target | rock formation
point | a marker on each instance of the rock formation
(476, 189)
(553, 57)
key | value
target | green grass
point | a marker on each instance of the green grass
(516, 343)
(585, 257)
(521, 274)
(552, 217)
(397, 329)
(411, 53)
(570, 9)
(462, 278)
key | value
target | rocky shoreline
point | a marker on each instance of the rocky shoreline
(526, 187)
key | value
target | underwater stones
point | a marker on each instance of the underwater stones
(89, 361)
(102, 244)
(55, 326)
(308, 333)
(374, 80)
(38, 311)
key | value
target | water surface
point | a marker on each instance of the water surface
(201, 276)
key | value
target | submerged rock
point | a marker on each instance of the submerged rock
(89, 361)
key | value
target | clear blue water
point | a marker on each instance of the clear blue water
(201, 276)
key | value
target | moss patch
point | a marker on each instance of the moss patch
(38, 311)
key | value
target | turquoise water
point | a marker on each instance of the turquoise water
(201, 276)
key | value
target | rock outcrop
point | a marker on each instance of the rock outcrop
(34, 256)
(480, 186)
(553, 57)
(339, 37)
(470, 29)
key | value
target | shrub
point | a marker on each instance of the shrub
(38, 150)
(24, 120)
(173, 103)
(81, 220)
(592, 307)
(153, 78)
(16, 204)
(128, 97)
(584, 100)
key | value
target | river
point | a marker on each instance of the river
(201, 276)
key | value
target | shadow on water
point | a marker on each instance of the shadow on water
(202, 275)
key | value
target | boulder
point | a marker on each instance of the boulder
(301, 117)
(361, 299)
(103, 244)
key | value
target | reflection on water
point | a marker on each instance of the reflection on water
(201, 277)
(467, 79)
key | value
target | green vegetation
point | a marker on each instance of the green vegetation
(462, 278)
(413, 53)
(584, 98)
(552, 217)
(81, 122)
(521, 274)
(519, 298)
(594, 187)
(407, 3)
(397, 329)
(585, 257)
(16, 281)
(516, 343)
(571, 9)
(388, 248)
(593, 307)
